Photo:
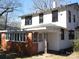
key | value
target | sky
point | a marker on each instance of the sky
(27, 7)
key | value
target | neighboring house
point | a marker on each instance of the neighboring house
(56, 25)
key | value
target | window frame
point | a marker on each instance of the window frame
(71, 34)
(7, 36)
(12, 36)
(28, 20)
(55, 16)
(41, 18)
(62, 34)
(74, 18)
(69, 16)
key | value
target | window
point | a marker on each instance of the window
(35, 36)
(62, 34)
(28, 20)
(69, 16)
(71, 34)
(23, 37)
(54, 16)
(73, 18)
(12, 37)
(8, 36)
(41, 18)
(15, 37)
(40, 37)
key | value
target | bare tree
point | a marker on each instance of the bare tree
(46, 4)
(7, 6)
(13, 23)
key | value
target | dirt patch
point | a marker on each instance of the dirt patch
(52, 56)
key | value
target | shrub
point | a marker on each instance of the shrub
(76, 45)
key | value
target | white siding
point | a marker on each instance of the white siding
(61, 19)
(72, 25)
(22, 23)
(47, 18)
(35, 20)
(66, 42)
(77, 22)
(53, 41)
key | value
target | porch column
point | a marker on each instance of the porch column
(45, 39)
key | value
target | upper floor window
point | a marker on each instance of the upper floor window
(73, 18)
(28, 20)
(62, 34)
(69, 16)
(71, 34)
(55, 16)
(41, 18)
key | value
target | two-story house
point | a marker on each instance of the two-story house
(56, 26)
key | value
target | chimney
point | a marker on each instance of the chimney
(56, 3)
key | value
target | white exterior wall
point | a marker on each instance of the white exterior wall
(72, 25)
(47, 18)
(61, 19)
(77, 22)
(35, 20)
(66, 42)
(53, 41)
(22, 23)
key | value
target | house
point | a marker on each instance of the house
(52, 28)
(56, 26)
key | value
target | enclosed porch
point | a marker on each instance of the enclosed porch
(47, 38)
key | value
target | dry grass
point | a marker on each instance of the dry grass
(53, 56)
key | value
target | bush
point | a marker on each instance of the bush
(76, 45)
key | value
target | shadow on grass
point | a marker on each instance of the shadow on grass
(64, 52)
(16, 55)
(12, 56)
